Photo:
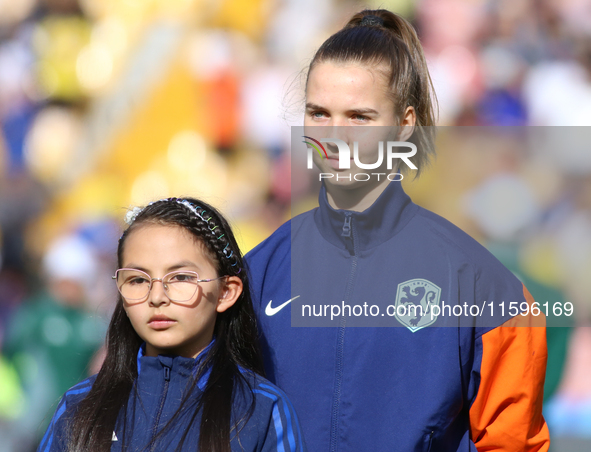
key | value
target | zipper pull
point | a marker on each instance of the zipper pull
(166, 373)
(347, 226)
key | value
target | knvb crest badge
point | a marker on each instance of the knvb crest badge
(414, 301)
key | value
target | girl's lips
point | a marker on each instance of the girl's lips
(160, 322)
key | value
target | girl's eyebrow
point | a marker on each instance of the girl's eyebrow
(136, 267)
(172, 268)
(181, 265)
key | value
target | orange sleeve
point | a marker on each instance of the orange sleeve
(507, 411)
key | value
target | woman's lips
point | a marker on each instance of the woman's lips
(160, 322)
(334, 162)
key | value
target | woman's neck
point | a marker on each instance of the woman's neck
(356, 199)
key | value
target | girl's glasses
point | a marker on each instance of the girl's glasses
(179, 286)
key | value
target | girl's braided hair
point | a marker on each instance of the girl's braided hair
(202, 220)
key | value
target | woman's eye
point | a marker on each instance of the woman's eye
(137, 281)
(318, 114)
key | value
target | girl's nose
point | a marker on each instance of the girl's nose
(158, 294)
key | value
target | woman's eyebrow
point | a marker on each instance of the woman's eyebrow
(357, 111)
(364, 111)
(311, 106)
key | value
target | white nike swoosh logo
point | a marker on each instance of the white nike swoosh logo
(270, 310)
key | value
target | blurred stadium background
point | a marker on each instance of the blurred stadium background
(110, 103)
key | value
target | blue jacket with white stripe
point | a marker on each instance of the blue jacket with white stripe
(156, 397)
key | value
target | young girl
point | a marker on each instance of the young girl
(430, 383)
(183, 367)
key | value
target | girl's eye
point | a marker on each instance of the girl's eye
(182, 277)
(136, 281)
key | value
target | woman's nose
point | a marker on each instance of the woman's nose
(343, 133)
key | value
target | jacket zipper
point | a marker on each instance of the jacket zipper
(348, 231)
(347, 226)
(152, 444)
(430, 440)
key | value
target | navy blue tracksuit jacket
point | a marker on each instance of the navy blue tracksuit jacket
(336, 294)
(157, 395)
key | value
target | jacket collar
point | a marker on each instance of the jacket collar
(185, 367)
(380, 222)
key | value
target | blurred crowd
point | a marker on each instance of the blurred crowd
(106, 104)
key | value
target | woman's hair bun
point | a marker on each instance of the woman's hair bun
(371, 21)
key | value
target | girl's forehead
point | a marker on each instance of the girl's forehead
(161, 230)
(155, 241)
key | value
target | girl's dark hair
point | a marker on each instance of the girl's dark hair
(236, 341)
(380, 37)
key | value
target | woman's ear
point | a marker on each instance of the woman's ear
(229, 293)
(407, 124)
